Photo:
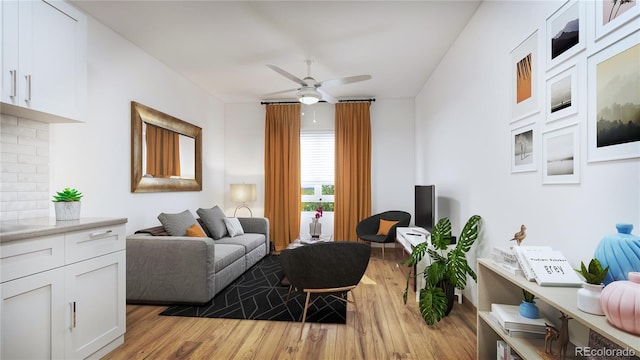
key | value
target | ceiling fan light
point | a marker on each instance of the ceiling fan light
(309, 96)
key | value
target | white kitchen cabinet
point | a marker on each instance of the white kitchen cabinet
(44, 66)
(63, 295)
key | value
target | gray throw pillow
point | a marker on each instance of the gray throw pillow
(177, 224)
(214, 221)
(233, 226)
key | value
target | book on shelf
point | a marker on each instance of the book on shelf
(509, 318)
(551, 268)
(511, 269)
(523, 253)
(504, 255)
(527, 334)
(502, 350)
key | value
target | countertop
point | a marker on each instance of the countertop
(13, 230)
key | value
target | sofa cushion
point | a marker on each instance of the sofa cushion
(195, 231)
(214, 221)
(249, 241)
(226, 254)
(178, 223)
(233, 226)
(385, 226)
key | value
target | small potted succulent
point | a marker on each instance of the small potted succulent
(67, 204)
(589, 296)
(528, 307)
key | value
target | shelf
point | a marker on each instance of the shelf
(503, 284)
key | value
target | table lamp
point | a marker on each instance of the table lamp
(243, 193)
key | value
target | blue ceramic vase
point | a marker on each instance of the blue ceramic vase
(529, 310)
(620, 252)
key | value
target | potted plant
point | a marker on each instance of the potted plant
(447, 270)
(589, 296)
(528, 307)
(67, 204)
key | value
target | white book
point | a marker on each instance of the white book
(509, 318)
(511, 269)
(523, 253)
(551, 268)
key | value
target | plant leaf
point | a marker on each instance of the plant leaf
(433, 304)
(441, 234)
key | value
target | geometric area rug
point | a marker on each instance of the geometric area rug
(259, 295)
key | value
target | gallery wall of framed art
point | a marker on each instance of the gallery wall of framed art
(576, 81)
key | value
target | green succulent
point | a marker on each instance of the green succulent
(528, 297)
(67, 195)
(595, 274)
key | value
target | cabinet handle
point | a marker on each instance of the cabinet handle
(14, 77)
(100, 233)
(73, 314)
(28, 77)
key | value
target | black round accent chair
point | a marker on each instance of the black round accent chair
(368, 228)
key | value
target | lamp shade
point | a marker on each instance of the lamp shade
(243, 192)
(309, 96)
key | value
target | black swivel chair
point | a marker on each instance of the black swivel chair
(367, 229)
(325, 269)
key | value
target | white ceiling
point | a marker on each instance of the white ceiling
(224, 46)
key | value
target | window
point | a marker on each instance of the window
(317, 156)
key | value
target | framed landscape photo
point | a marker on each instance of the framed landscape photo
(523, 148)
(562, 95)
(566, 32)
(614, 15)
(524, 78)
(561, 156)
(613, 112)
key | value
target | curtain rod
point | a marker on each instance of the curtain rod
(297, 102)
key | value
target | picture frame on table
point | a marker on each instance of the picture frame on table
(612, 16)
(566, 32)
(524, 95)
(523, 148)
(562, 94)
(613, 123)
(561, 155)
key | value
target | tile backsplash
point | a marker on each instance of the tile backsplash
(24, 168)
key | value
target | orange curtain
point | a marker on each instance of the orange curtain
(163, 152)
(282, 173)
(352, 199)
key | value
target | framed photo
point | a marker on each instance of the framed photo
(523, 148)
(613, 118)
(562, 94)
(561, 156)
(612, 15)
(524, 78)
(566, 32)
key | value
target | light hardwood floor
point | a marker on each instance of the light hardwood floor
(392, 330)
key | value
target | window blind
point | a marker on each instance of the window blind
(317, 156)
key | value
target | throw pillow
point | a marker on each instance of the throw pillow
(214, 221)
(177, 224)
(385, 226)
(233, 226)
(195, 231)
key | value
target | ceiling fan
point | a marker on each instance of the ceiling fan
(310, 91)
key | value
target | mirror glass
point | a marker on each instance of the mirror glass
(165, 152)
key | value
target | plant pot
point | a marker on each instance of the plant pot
(449, 292)
(589, 299)
(315, 228)
(67, 210)
(529, 310)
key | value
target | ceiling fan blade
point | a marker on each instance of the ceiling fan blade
(280, 92)
(287, 75)
(346, 80)
(326, 97)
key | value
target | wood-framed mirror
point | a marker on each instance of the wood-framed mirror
(166, 152)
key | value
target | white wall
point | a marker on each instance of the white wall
(463, 146)
(392, 126)
(95, 157)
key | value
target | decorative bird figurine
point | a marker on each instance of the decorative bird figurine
(520, 235)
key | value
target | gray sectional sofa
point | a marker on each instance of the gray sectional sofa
(169, 269)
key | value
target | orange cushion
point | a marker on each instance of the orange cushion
(385, 226)
(195, 231)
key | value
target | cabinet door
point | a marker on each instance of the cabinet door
(9, 10)
(96, 290)
(32, 316)
(49, 57)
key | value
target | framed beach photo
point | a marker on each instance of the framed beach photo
(523, 148)
(524, 78)
(561, 156)
(566, 32)
(562, 95)
(616, 16)
(613, 118)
